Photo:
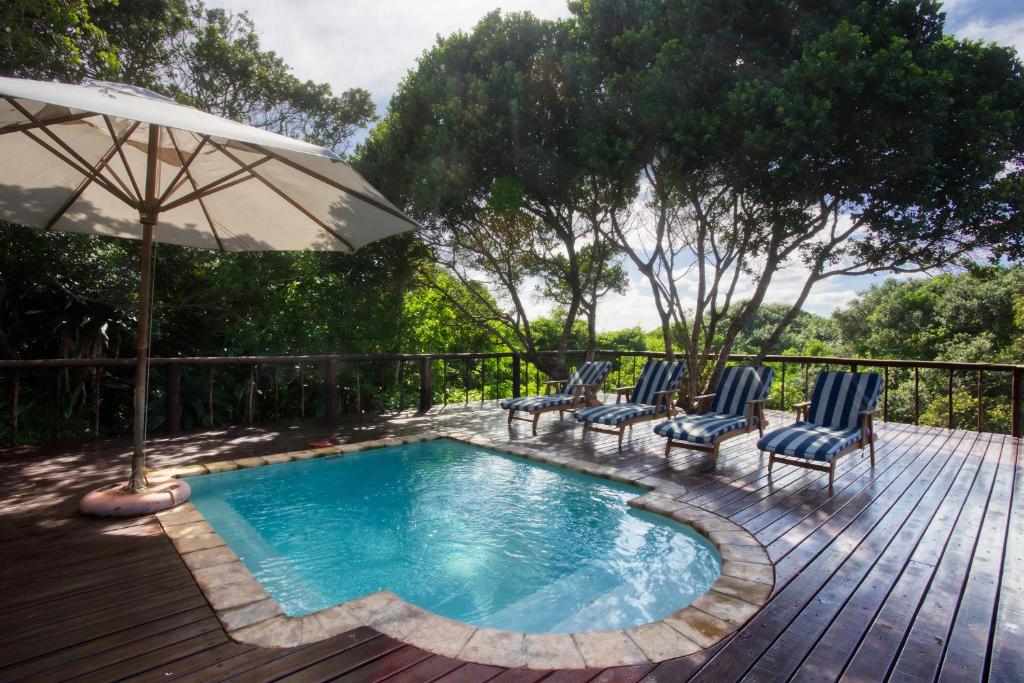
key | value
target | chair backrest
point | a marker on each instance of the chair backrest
(740, 384)
(657, 375)
(839, 396)
(591, 372)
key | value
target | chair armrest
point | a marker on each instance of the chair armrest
(867, 427)
(801, 408)
(703, 401)
(622, 391)
(589, 391)
(666, 398)
(802, 404)
(552, 383)
(757, 400)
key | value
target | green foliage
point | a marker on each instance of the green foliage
(808, 334)
(54, 39)
(965, 317)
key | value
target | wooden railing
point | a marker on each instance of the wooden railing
(51, 399)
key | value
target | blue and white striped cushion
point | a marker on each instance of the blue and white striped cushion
(616, 413)
(657, 375)
(808, 441)
(531, 403)
(700, 427)
(592, 372)
(839, 396)
(741, 384)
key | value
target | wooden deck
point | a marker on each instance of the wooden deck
(911, 572)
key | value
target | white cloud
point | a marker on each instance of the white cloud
(1005, 32)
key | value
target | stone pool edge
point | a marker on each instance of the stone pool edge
(250, 615)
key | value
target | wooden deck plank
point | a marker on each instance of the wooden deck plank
(883, 639)
(1006, 662)
(893, 534)
(923, 645)
(971, 631)
(929, 542)
(831, 653)
(797, 584)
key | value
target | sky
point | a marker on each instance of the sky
(372, 44)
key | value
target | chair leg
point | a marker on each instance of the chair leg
(586, 428)
(714, 457)
(536, 416)
(622, 432)
(831, 473)
(771, 462)
(668, 447)
(871, 446)
(510, 414)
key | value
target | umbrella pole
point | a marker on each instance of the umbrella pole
(138, 481)
(148, 217)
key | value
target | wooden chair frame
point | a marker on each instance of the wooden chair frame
(754, 409)
(866, 440)
(660, 398)
(585, 395)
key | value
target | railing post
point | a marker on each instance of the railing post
(15, 390)
(330, 389)
(1017, 402)
(426, 384)
(173, 398)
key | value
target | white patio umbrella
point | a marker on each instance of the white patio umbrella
(113, 159)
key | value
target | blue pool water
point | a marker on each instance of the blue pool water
(465, 532)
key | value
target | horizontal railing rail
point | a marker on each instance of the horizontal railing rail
(54, 398)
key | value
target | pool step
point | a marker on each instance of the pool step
(585, 587)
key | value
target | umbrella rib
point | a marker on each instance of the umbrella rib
(85, 170)
(67, 118)
(335, 184)
(172, 187)
(284, 195)
(84, 165)
(120, 153)
(222, 183)
(85, 183)
(188, 174)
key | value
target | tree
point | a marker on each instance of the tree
(54, 39)
(844, 138)
(491, 145)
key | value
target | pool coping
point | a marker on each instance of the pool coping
(250, 615)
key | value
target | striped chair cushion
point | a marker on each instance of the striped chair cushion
(839, 396)
(617, 413)
(741, 384)
(808, 441)
(657, 375)
(531, 403)
(700, 427)
(592, 372)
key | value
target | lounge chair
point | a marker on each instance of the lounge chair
(836, 421)
(735, 408)
(579, 391)
(649, 399)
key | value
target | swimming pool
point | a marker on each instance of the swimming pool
(462, 531)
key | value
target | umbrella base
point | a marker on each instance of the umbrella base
(114, 501)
